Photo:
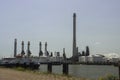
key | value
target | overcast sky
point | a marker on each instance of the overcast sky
(98, 25)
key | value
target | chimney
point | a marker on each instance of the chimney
(74, 35)
(40, 50)
(22, 52)
(28, 49)
(15, 47)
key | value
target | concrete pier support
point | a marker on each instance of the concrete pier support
(49, 67)
(65, 68)
(119, 71)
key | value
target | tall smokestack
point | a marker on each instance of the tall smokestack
(28, 49)
(64, 55)
(45, 48)
(74, 35)
(40, 46)
(40, 50)
(22, 45)
(46, 52)
(15, 48)
(22, 52)
(28, 45)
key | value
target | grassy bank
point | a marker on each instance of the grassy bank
(19, 73)
(27, 74)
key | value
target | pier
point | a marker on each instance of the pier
(44, 57)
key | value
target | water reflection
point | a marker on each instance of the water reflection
(87, 71)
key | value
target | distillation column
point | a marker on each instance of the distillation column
(74, 36)
(46, 52)
(22, 52)
(40, 50)
(15, 48)
(28, 49)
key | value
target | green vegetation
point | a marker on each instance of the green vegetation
(67, 77)
(108, 77)
(19, 68)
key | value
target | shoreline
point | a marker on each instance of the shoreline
(21, 74)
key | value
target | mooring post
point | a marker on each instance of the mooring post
(119, 70)
(65, 68)
(118, 65)
(49, 67)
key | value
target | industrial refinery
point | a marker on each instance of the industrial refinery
(44, 57)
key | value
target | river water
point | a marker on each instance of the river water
(85, 71)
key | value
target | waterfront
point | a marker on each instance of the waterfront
(85, 71)
(22, 74)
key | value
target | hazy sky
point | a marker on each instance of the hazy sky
(98, 25)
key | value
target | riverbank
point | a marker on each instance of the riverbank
(15, 74)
